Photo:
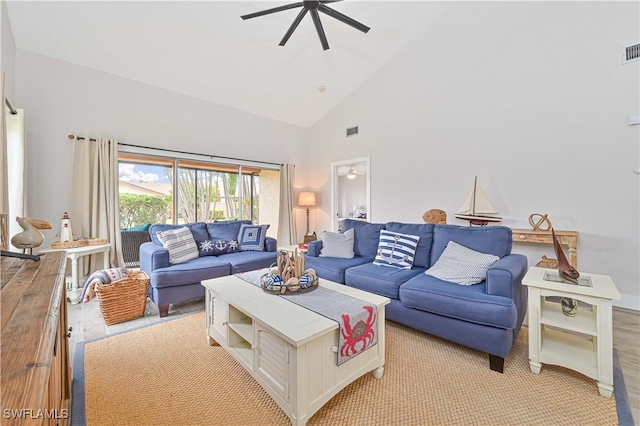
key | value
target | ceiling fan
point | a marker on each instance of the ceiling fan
(313, 7)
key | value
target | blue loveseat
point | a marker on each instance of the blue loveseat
(172, 283)
(486, 316)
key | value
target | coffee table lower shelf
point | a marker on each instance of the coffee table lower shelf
(287, 349)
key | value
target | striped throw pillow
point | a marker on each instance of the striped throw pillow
(180, 244)
(461, 265)
(396, 250)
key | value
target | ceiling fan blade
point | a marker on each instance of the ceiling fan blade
(293, 26)
(273, 10)
(319, 29)
(343, 18)
(329, 1)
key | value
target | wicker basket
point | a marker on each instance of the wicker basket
(125, 299)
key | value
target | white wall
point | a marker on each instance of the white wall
(8, 53)
(530, 97)
(62, 98)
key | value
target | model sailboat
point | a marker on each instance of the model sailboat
(476, 208)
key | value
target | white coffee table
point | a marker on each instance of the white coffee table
(288, 349)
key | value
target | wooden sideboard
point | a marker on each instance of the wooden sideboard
(568, 238)
(35, 369)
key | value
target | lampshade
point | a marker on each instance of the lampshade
(307, 199)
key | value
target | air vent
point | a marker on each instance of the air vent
(352, 131)
(631, 53)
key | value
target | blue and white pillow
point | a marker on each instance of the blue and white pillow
(180, 244)
(462, 265)
(217, 246)
(396, 250)
(251, 237)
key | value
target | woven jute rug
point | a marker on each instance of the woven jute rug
(167, 374)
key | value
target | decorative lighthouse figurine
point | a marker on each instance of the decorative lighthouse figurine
(65, 232)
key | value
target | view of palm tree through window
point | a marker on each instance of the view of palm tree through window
(160, 190)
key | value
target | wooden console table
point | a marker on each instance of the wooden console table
(36, 376)
(568, 238)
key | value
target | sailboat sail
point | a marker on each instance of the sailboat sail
(477, 203)
(476, 207)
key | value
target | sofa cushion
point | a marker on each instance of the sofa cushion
(379, 279)
(494, 240)
(461, 265)
(139, 228)
(225, 230)
(468, 303)
(337, 245)
(180, 244)
(396, 250)
(245, 261)
(251, 237)
(366, 235)
(422, 230)
(193, 271)
(332, 268)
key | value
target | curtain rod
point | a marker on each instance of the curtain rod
(181, 152)
(11, 110)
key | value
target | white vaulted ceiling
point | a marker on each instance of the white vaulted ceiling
(203, 48)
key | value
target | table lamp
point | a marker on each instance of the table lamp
(307, 199)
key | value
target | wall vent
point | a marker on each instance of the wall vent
(631, 53)
(352, 131)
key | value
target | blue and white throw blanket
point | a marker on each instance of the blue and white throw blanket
(357, 319)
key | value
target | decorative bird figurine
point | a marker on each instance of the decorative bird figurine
(30, 237)
(565, 269)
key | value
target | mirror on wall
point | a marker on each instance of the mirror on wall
(350, 191)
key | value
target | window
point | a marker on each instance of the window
(163, 190)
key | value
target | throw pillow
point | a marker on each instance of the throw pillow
(339, 245)
(251, 237)
(103, 276)
(180, 243)
(461, 265)
(216, 247)
(396, 250)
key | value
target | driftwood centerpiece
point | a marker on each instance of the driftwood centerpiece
(288, 275)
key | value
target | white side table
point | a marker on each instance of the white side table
(583, 343)
(75, 253)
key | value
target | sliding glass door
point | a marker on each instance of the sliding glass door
(160, 190)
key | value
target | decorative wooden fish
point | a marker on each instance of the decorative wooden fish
(565, 269)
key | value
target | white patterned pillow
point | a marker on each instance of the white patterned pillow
(180, 243)
(461, 265)
(339, 245)
(396, 250)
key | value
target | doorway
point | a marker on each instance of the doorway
(350, 191)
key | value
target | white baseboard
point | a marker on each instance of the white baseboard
(628, 301)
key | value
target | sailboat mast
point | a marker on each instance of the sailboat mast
(473, 198)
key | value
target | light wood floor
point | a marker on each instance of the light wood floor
(88, 324)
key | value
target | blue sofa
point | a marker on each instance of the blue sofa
(485, 316)
(172, 283)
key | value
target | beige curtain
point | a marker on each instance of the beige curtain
(287, 233)
(16, 170)
(95, 205)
